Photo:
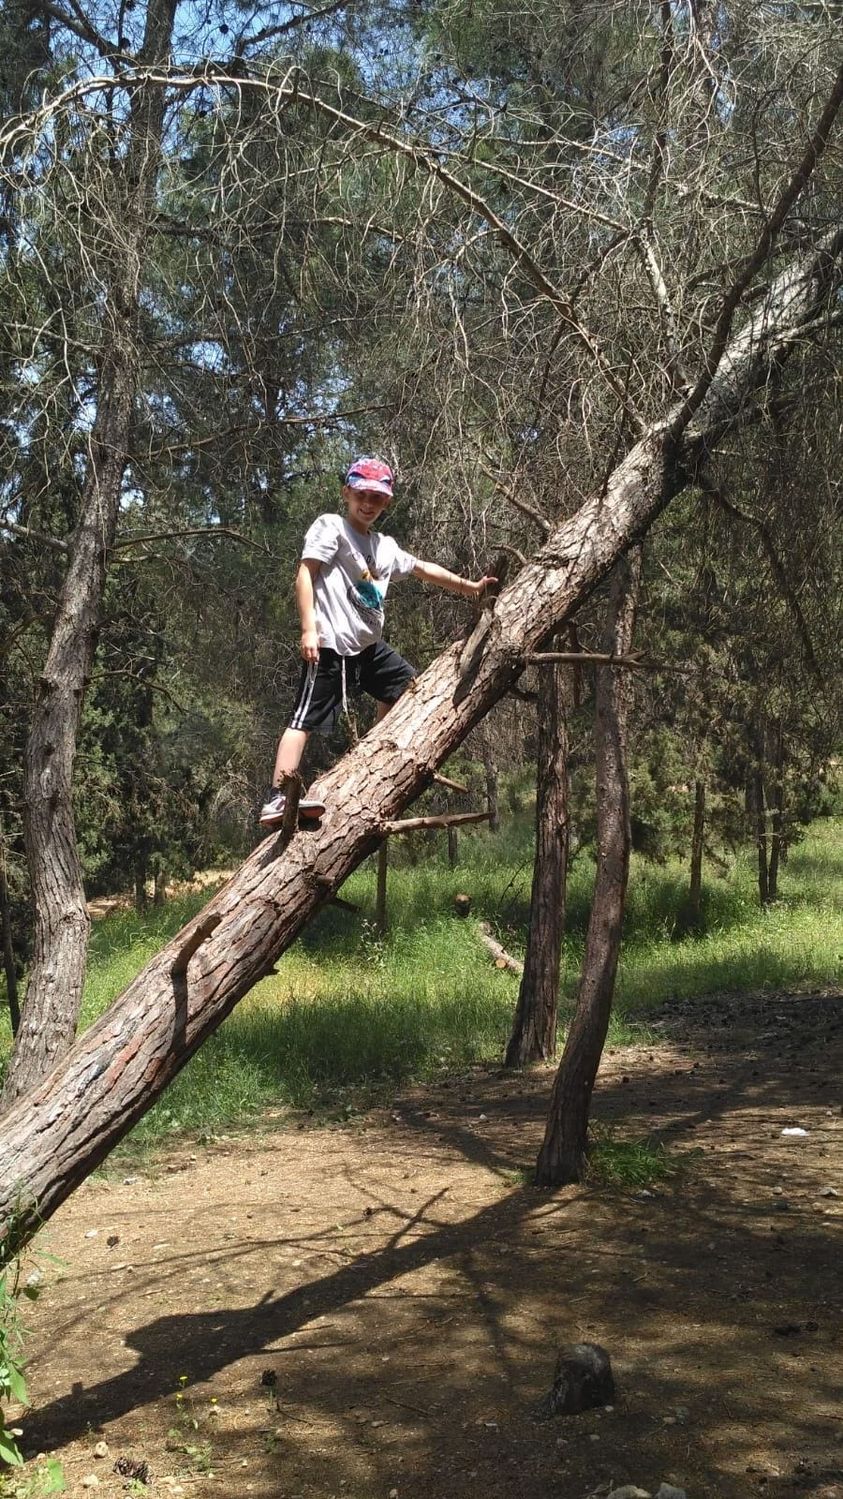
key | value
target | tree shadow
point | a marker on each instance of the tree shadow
(714, 1296)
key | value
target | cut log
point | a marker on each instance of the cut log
(503, 959)
(56, 1135)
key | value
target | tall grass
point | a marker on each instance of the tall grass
(349, 1017)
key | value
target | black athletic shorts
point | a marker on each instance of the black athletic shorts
(379, 671)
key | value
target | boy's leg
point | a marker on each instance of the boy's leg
(287, 760)
(290, 750)
(384, 675)
(315, 709)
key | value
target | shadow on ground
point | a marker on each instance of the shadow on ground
(404, 1295)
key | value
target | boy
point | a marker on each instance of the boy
(341, 585)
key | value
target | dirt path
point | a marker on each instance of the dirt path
(402, 1295)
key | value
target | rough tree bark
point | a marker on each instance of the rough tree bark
(564, 1148)
(61, 925)
(533, 1037)
(9, 968)
(54, 1137)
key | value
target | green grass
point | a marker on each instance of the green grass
(627, 1164)
(348, 1018)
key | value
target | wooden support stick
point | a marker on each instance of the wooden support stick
(410, 824)
(594, 658)
(502, 958)
(452, 785)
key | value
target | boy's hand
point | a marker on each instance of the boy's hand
(477, 590)
(309, 645)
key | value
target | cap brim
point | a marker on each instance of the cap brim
(377, 486)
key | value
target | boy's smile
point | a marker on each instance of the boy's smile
(364, 506)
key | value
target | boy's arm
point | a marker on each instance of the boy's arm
(431, 572)
(308, 571)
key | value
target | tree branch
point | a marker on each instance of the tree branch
(777, 568)
(447, 820)
(29, 535)
(226, 531)
(80, 25)
(284, 27)
(592, 658)
(798, 180)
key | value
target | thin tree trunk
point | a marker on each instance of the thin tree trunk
(490, 766)
(140, 885)
(759, 817)
(381, 913)
(533, 1035)
(453, 848)
(53, 1138)
(61, 926)
(563, 1152)
(776, 817)
(697, 846)
(8, 949)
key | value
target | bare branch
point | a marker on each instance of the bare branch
(797, 182)
(777, 568)
(447, 820)
(225, 531)
(29, 535)
(593, 658)
(285, 27)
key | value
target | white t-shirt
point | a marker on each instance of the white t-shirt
(350, 589)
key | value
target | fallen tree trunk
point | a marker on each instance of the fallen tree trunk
(55, 1136)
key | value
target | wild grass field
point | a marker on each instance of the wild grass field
(351, 1016)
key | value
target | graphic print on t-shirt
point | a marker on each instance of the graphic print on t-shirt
(368, 598)
(365, 595)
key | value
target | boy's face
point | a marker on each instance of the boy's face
(364, 506)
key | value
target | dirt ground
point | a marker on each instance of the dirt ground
(374, 1309)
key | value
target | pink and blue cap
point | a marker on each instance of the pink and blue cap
(371, 473)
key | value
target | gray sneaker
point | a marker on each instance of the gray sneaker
(272, 812)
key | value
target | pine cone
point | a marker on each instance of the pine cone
(128, 1468)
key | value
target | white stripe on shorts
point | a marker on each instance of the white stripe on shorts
(301, 709)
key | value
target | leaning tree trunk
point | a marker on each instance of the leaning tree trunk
(53, 1138)
(61, 926)
(563, 1152)
(533, 1036)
